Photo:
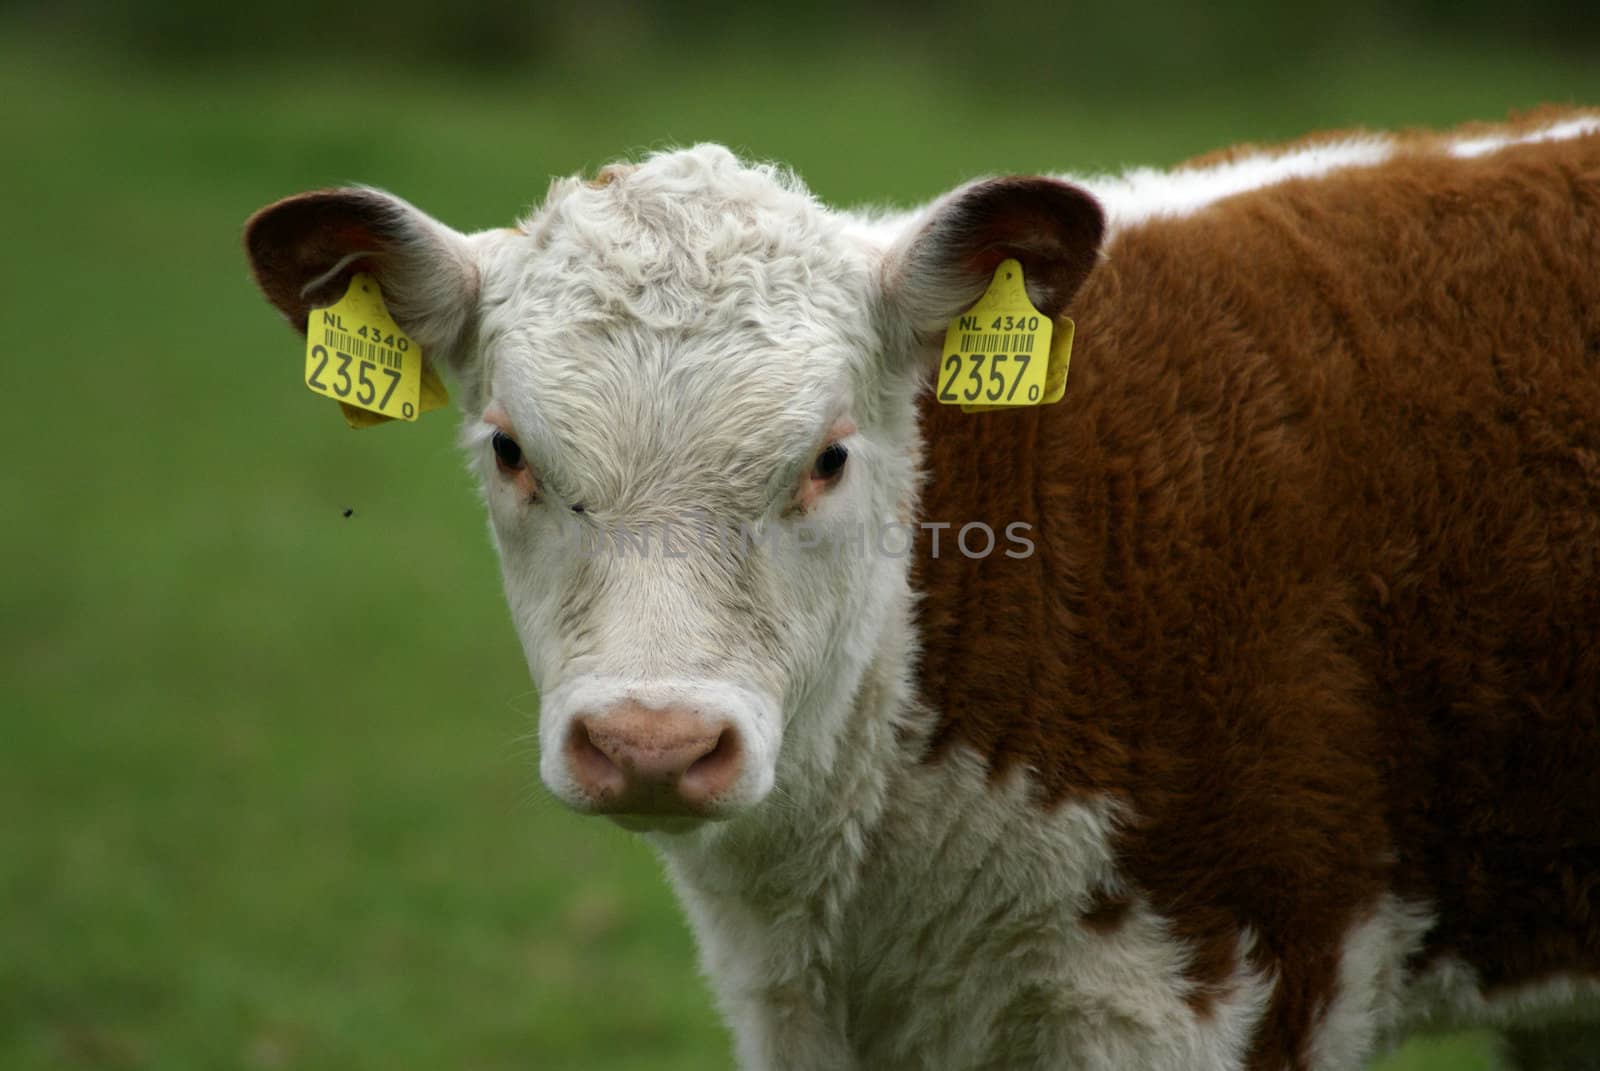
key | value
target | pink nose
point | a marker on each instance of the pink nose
(632, 759)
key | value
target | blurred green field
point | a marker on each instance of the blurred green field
(270, 797)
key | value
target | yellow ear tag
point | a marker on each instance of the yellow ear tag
(357, 355)
(1003, 353)
(434, 396)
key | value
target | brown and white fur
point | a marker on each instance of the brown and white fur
(1283, 743)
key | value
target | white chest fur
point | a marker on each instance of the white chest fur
(954, 939)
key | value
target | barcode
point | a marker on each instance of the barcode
(361, 347)
(996, 343)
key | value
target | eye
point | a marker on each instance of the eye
(830, 462)
(507, 454)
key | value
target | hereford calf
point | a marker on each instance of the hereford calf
(1265, 732)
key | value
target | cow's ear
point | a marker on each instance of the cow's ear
(304, 249)
(943, 264)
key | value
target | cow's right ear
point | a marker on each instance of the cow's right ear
(304, 249)
(947, 258)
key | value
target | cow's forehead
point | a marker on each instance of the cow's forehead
(630, 415)
(691, 316)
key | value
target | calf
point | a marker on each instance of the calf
(1264, 734)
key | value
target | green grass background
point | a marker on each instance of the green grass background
(268, 793)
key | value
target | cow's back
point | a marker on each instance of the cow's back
(1316, 593)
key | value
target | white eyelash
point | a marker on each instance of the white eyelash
(474, 436)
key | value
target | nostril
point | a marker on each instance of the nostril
(591, 767)
(714, 772)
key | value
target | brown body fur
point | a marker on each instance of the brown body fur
(1317, 583)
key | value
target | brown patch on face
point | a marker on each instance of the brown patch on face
(1317, 571)
(609, 174)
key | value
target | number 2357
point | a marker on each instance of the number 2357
(365, 388)
(996, 383)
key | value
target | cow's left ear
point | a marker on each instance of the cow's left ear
(304, 249)
(944, 264)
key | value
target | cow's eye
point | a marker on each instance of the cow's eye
(830, 462)
(507, 454)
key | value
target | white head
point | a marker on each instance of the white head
(689, 392)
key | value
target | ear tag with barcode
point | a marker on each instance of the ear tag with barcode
(358, 356)
(999, 353)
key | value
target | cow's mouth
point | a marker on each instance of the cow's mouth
(660, 823)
